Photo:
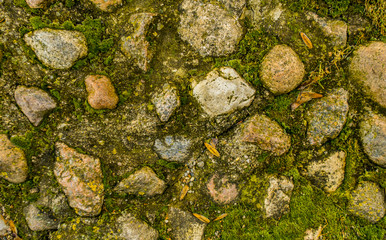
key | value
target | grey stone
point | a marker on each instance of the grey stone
(38, 3)
(185, 226)
(327, 173)
(57, 49)
(142, 182)
(173, 148)
(373, 136)
(223, 91)
(166, 102)
(34, 103)
(313, 234)
(131, 228)
(368, 201)
(369, 69)
(39, 220)
(236, 7)
(327, 117)
(278, 198)
(211, 30)
(4, 227)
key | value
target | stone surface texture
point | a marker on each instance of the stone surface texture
(173, 148)
(223, 91)
(134, 229)
(166, 101)
(58, 49)
(107, 5)
(34, 103)
(38, 3)
(221, 189)
(101, 92)
(184, 225)
(39, 220)
(236, 7)
(80, 177)
(278, 198)
(4, 227)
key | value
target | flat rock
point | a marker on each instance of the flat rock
(327, 117)
(142, 182)
(106, 5)
(34, 103)
(101, 92)
(327, 173)
(38, 3)
(184, 225)
(13, 163)
(57, 49)
(173, 148)
(221, 189)
(278, 197)
(368, 201)
(166, 101)
(39, 220)
(208, 28)
(80, 177)
(131, 228)
(223, 91)
(369, 69)
(281, 70)
(373, 136)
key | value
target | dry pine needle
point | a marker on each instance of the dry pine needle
(220, 217)
(201, 218)
(212, 149)
(184, 191)
(306, 40)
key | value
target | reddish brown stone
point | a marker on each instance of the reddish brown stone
(38, 3)
(101, 92)
(221, 190)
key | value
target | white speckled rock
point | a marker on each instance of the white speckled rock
(131, 228)
(278, 197)
(166, 101)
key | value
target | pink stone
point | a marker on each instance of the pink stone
(38, 3)
(101, 92)
(221, 190)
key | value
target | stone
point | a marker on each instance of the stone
(327, 117)
(236, 7)
(80, 177)
(267, 134)
(142, 182)
(278, 198)
(208, 28)
(173, 148)
(107, 5)
(4, 227)
(221, 189)
(101, 92)
(39, 220)
(134, 45)
(166, 102)
(369, 69)
(373, 137)
(13, 163)
(281, 70)
(313, 234)
(368, 201)
(34, 103)
(327, 173)
(58, 49)
(131, 228)
(184, 225)
(38, 3)
(223, 91)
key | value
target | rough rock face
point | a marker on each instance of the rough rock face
(185, 226)
(223, 91)
(101, 92)
(39, 220)
(57, 49)
(208, 28)
(34, 103)
(373, 136)
(166, 102)
(236, 7)
(13, 163)
(327, 173)
(4, 228)
(173, 148)
(221, 190)
(282, 70)
(107, 5)
(267, 134)
(134, 45)
(81, 177)
(368, 201)
(327, 117)
(38, 3)
(368, 67)
(142, 182)
(278, 197)
(131, 228)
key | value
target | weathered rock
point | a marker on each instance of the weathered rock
(131, 228)
(327, 117)
(57, 49)
(4, 227)
(13, 163)
(173, 148)
(373, 136)
(368, 201)
(39, 220)
(34, 103)
(101, 92)
(369, 69)
(134, 45)
(38, 3)
(81, 178)
(327, 173)
(221, 190)
(278, 197)
(107, 5)
(236, 7)
(282, 70)
(267, 134)
(142, 182)
(208, 28)
(166, 102)
(184, 225)
(223, 91)
(313, 234)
